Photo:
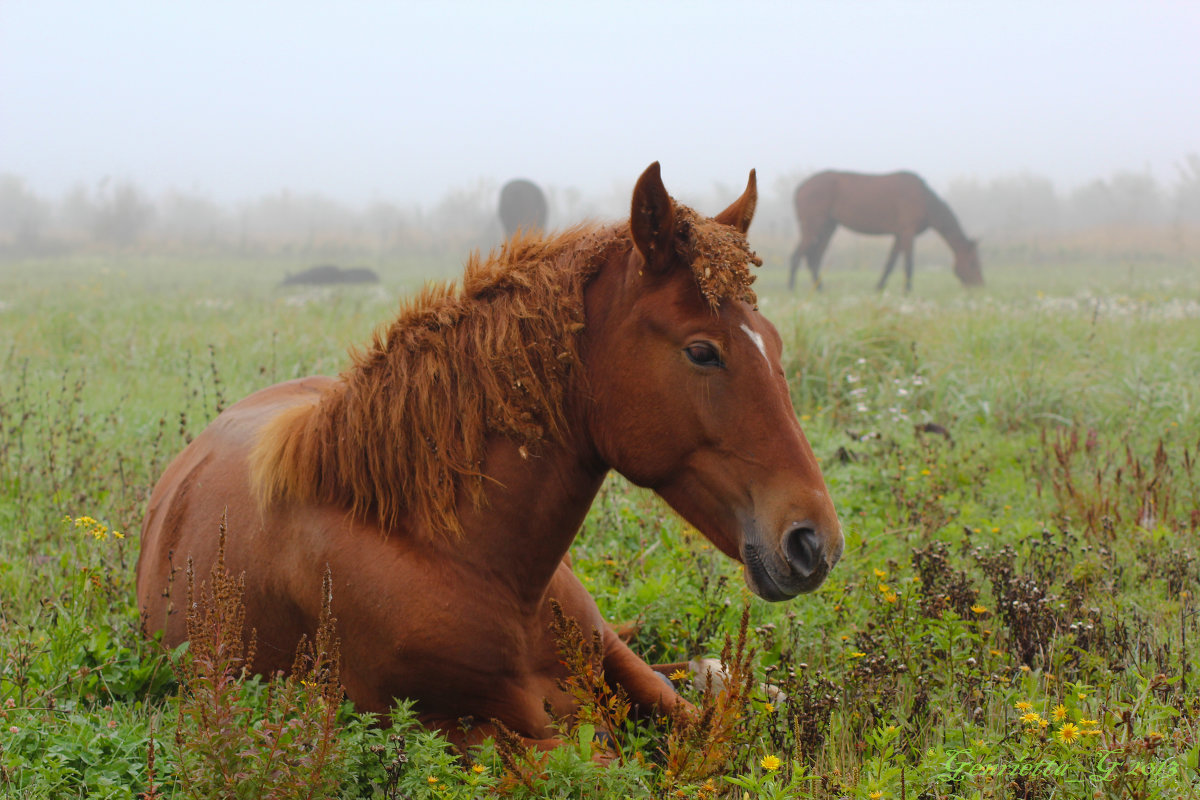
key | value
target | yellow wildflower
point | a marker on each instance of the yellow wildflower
(880, 573)
(978, 609)
(432, 780)
(770, 763)
(1031, 718)
(94, 528)
(875, 795)
(479, 769)
(1060, 712)
(1024, 705)
(1068, 732)
(1043, 722)
(679, 675)
(995, 652)
(1089, 722)
(769, 708)
(857, 655)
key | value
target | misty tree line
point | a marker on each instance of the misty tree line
(120, 214)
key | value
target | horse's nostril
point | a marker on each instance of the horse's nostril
(803, 550)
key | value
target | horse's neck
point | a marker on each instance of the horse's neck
(942, 220)
(534, 507)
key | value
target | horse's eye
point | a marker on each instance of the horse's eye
(703, 354)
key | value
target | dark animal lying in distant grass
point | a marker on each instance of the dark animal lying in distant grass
(328, 273)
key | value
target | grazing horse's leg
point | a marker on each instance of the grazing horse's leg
(908, 264)
(814, 240)
(816, 252)
(897, 246)
(797, 255)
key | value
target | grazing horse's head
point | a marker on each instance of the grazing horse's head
(689, 396)
(966, 264)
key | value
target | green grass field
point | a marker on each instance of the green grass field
(1014, 616)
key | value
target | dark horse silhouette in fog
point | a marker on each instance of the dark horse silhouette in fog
(899, 204)
(522, 205)
(441, 478)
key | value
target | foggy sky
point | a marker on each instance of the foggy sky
(403, 101)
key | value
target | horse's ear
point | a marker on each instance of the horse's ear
(652, 218)
(741, 212)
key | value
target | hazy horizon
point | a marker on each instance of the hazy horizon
(405, 102)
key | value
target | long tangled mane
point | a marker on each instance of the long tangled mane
(404, 429)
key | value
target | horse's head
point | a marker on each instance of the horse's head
(966, 264)
(688, 394)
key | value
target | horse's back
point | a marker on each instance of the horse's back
(889, 203)
(208, 481)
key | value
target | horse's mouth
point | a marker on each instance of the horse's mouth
(776, 583)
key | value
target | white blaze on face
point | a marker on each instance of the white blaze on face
(756, 337)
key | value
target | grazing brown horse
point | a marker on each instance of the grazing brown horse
(522, 205)
(442, 477)
(898, 204)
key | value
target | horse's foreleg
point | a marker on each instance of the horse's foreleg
(889, 264)
(645, 687)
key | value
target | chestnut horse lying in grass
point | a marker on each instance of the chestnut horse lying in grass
(442, 477)
(899, 204)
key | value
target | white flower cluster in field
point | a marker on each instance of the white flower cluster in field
(302, 298)
(1156, 305)
(891, 401)
(1145, 307)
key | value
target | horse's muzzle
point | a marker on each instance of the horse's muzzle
(800, 564)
